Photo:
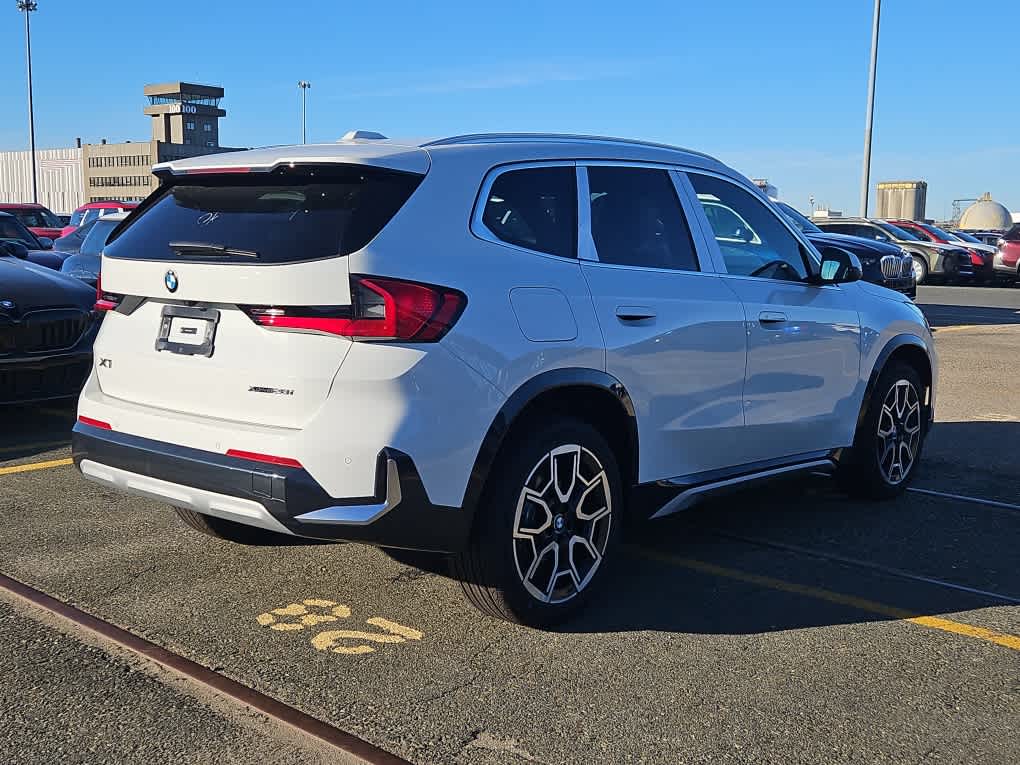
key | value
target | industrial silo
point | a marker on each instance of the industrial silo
(902, 199)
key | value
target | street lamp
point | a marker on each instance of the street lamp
(304, 85)
(26, 7)
(870, 118)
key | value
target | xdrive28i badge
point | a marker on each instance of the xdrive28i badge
(170, 280)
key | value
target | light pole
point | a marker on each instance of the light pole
(304, 85)
(26, 7)
(870, 118)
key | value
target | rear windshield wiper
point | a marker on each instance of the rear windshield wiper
(205, 249)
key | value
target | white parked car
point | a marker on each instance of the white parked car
(488, 346)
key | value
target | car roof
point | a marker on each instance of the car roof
(416, 155)
(104, 203)
(116, 216)
(21, 205)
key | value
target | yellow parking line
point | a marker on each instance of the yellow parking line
(35, 466)
(862, 604)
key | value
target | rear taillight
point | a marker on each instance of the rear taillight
(105, 301)
(381, 309)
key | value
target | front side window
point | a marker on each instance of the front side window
(636, 219)
(898, 233)
(535, 208)
(12, 230)
(753, 241)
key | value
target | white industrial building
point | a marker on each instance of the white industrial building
(58, 173)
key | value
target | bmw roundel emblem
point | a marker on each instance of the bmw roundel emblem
(170, 280)
(7, 305)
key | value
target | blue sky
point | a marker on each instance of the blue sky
(774, 89)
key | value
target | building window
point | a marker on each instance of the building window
(189, 125)
(207, 127)
(187, 141)
(210, 143)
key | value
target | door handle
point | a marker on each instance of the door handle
(634, 312)
(771, 317)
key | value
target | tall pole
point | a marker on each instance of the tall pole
(870, 118)
(304, 85)
(26, 7)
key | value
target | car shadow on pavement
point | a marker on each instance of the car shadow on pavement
(957, 315)
(35, 429)
(796, 555)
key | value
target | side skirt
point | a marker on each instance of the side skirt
(691, 489)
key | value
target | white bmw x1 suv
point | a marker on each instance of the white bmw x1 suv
(489, 346)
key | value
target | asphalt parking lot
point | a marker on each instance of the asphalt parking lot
(789, 625)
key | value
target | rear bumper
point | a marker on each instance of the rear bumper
(283, 499)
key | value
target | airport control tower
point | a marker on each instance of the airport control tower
(185, 113)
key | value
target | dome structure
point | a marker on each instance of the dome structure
(986, 215)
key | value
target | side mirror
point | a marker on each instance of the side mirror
(838, 267)
(46, 242)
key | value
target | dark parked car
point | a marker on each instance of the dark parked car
(85, 264)
(881, 263)
(26, 245)
(47, 327)
(930, 258)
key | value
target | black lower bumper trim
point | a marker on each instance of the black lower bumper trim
(285, 492)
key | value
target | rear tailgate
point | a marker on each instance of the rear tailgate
(187, 271)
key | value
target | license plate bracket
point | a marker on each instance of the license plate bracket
(187, 330)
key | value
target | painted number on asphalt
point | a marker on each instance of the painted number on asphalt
(312, 613)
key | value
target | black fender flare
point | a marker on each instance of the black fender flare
(894, 344)
(519, 400)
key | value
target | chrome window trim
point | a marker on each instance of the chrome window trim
(814, 256)
(584, 235)
(481, 231)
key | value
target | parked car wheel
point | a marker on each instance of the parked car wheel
(889, 439)
(920, 269)
(548, 523)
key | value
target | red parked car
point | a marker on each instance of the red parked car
(92, 210)
(1007, 259)
(35, 217)
(980, 255)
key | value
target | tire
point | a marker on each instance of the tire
(893, 428)
(920, 269)
(512, 568)
(239, 533)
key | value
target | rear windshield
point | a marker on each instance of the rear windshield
(287, 216)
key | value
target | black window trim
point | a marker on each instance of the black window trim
(586, 249)
(481, 231)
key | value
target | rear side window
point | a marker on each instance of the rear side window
(535, 208)
(636, 219)
(287, 216)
